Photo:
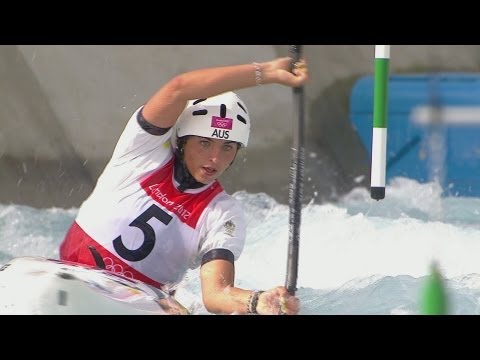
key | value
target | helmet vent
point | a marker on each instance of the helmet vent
(242, 119)
(223, 111)
(243, 108)
(200, 112)
(198, 101)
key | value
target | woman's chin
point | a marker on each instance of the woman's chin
(203, 179)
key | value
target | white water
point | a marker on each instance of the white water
(357, 256)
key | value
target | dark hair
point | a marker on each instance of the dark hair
(181, 141)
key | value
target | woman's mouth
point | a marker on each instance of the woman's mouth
(209, 171)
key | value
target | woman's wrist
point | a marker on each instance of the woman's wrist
(262, 73)
(252, 301)
(258, 73)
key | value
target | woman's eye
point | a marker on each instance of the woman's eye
(227, 147)
(204, 143)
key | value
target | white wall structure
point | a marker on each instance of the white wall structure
(63, 107)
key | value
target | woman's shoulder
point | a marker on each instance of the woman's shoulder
(226, 205)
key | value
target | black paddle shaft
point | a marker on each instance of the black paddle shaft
(296, 179)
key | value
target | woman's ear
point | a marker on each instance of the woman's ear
(181, 144)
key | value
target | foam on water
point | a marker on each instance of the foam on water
(357, 256)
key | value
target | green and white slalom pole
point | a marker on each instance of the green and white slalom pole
(434, 297)
(379, 138)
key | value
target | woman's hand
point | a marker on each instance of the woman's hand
(277, 301)
(280, 71)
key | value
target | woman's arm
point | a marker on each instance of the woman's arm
(220, 296)
(166, 105)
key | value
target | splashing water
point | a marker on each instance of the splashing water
(357, 256)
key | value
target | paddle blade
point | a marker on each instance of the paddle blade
(434, 296)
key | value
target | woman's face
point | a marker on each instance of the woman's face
(206, 159)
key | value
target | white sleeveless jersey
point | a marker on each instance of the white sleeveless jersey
(137, 215)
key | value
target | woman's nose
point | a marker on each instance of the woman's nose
(215, 153)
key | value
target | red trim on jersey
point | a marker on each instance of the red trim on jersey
(187, 207)
(74, 248)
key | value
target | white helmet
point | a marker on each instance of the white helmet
(223, 117)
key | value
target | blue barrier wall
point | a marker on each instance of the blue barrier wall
(433, 127)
